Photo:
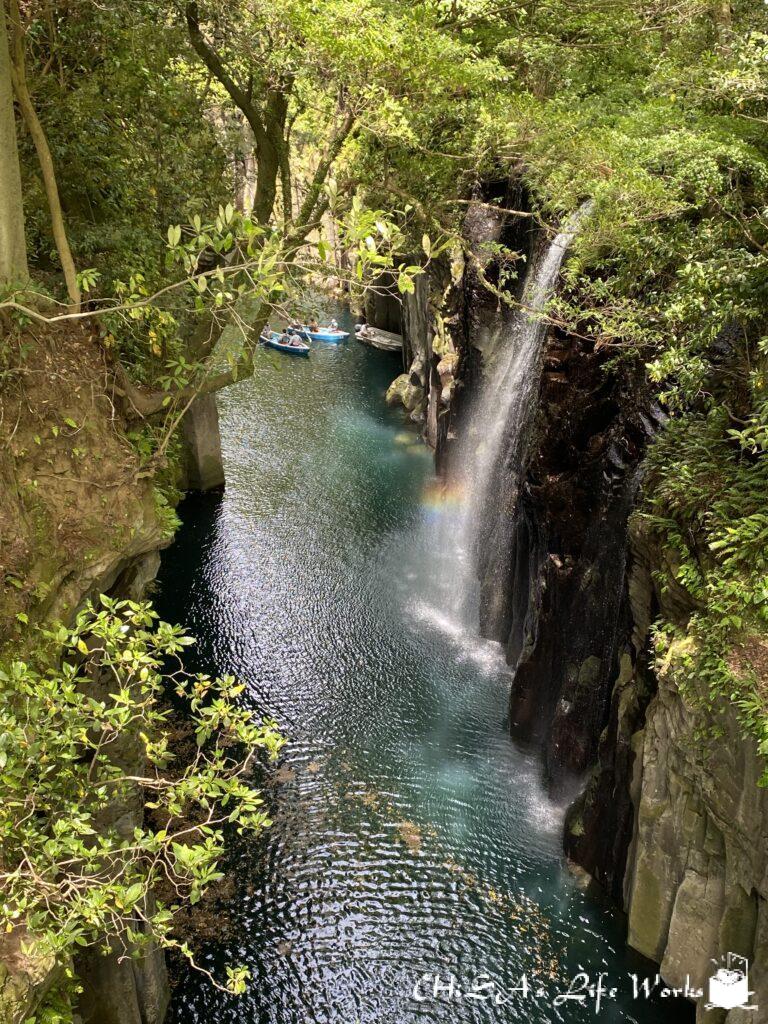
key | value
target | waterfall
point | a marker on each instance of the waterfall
(485, 470)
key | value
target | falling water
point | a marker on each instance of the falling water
(486, 468)
(410, 835)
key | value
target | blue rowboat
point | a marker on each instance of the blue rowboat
(328, 334)
(272, 340)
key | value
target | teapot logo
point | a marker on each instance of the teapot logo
(729, 985)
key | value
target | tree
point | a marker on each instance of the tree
(32, 121)
(266, 111)
(13, 246)
(74, 718)
(315, 87)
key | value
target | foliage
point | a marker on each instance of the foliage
(706, 503)
(150, 128)
(123, 118)
(165, 512)
(80, 865)
(667, 138)
(379, 118)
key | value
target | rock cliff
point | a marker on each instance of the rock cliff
(671, 823)
(691, 864)
(81, 516)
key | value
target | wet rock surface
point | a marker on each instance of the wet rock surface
(673, 829)
(560, 604)
(203, 466)
(430, 360)
(692, 867)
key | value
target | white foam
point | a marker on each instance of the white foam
(486, 654)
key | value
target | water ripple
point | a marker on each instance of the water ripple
(410, 836)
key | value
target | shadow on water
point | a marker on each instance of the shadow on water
(411, 838)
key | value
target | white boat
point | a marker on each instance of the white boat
(388, 341)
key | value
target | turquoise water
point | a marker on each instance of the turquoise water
(411, 837)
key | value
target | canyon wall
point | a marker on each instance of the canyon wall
(556, 598)
(82, 516)
(672, 824)
(672, 821)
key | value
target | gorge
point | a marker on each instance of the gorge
(359, 688)
(671, 826)
(411, 837)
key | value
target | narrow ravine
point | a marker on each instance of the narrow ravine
(411, 836)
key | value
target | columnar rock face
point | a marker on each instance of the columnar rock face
(556, 595)
(697, 871)
(121, 990)
(691, 866)
(203, 464)
(382, 305)
(117, 989)
(673, 825)
(430, 360)
(557, 599)
(25, 979)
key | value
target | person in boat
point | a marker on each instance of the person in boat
(295, 341)
(285, 337)
(334, 325)
(313, 326)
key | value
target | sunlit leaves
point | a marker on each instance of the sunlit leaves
(70, 725)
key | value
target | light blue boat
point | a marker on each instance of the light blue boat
(272, 340)
(332, 335)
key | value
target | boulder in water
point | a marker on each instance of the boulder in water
(406, 393)
(396, 389)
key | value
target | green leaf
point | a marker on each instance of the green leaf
(133, 893)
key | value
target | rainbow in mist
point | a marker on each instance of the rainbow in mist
(440, 498)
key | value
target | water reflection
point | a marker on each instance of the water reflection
(410, 835)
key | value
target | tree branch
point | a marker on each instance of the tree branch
(215, 65)
(142, 404)
(308, 211)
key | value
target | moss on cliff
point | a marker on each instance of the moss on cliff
(78, 505)
(79, 515)
(705, 505)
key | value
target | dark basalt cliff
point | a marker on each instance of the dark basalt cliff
(674, 832)
(552, 551)
(559, 604)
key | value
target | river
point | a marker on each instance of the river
(411, 837)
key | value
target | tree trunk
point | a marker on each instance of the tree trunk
(722, 20)
(268, 131)
(285, 181)
(13, 248)
(247, 186)
(271, 155)
(32, 121)
(268, 162)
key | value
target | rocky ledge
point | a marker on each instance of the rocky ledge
(673, 822)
